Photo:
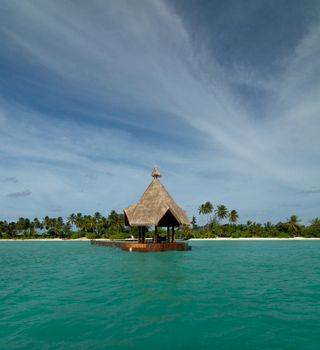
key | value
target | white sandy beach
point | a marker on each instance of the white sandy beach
(84, 239)
(254, 239)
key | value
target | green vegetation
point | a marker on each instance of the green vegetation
(216, 226)
(220, 222)
(76, 226)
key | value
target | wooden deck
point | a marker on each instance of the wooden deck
(143, 247)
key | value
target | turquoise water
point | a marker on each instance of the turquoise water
(221, 295)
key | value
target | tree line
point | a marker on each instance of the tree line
(216, 225)
(75, 226)
(219, 222)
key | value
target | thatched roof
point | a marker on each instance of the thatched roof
(155, 207)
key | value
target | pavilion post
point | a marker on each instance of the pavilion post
(168, 234)
(143, 234)
(156, 234)
(172, 235)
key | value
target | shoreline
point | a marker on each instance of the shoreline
(84, 239)
(256, 239)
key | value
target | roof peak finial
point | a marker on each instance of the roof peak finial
(156, 173)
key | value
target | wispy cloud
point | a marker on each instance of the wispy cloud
(313, 190)
(25, 193)
(11, 179)
(125, 88)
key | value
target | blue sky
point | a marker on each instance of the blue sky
(223, 96)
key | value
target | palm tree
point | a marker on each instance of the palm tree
(194, 222)
(97, 219)
(222, 212)
(11, 229)
(233, 216)
(55, 226)
(59, 225)
(268, 225)
(28, 226)
(46, 222)
(116, 221)
(315, 222)
(37, 224)
(24, 226)
(20, 225)
(88, 223)
(97, 216)
(206, 209)
(104, 225)
(4, 229)
(293, 224)
(72, 219)
(79, 220)
(32, 228)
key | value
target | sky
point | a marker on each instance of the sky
(222, 96)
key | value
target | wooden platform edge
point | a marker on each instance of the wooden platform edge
(143, 247)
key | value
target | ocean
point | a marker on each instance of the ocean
(221, 295)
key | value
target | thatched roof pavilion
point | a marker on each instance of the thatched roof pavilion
(155, 208)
